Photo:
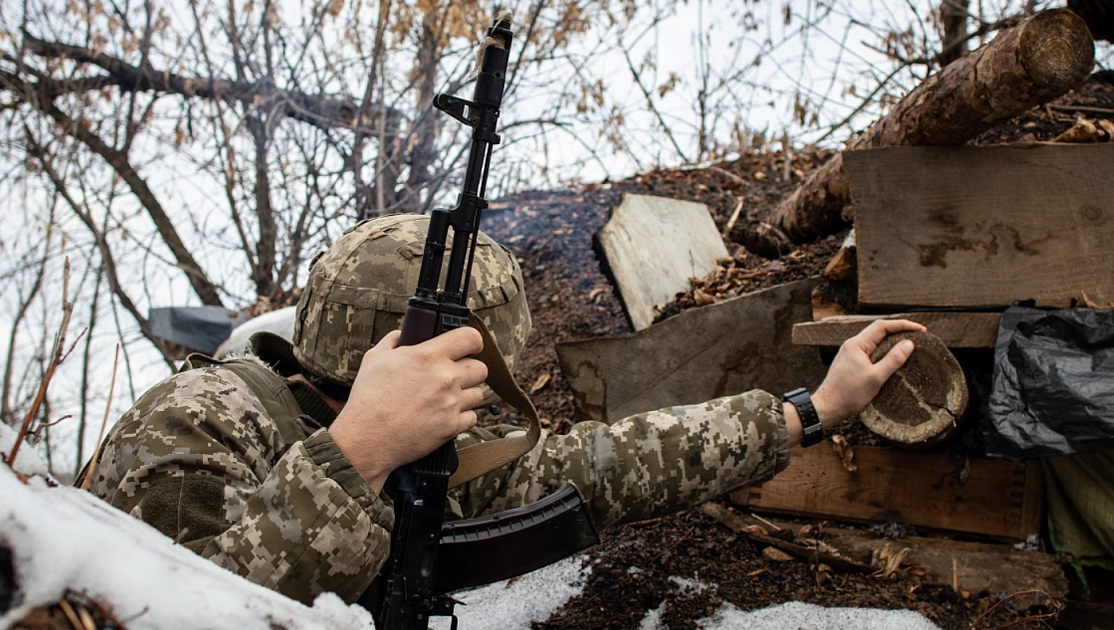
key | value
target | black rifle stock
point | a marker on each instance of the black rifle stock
(430, 558)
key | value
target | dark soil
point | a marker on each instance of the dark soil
(572, 298)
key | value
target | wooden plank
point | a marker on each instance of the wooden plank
(984, 227)
(989, 498)
(653, 246)
(739, 344)
(956, 329)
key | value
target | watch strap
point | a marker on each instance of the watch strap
(810, 420)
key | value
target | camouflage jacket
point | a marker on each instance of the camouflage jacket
(200, 458)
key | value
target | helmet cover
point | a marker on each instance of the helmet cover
(358, 290)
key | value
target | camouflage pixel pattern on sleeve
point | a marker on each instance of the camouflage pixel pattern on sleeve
(198, 458)
(644, 466)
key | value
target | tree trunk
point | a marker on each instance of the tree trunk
(953, 19)
(423, 143)
(1025, 66)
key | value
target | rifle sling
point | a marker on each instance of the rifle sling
(480, 459)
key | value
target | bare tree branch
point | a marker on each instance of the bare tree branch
(319, 110)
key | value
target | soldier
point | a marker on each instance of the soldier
(272, 465)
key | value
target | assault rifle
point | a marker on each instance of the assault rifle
(430, 558)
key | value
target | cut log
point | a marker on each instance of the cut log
(923, 403)
(1029, 578)
(1024, 66)
(1032, 578)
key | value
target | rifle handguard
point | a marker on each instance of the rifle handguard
(500, 546)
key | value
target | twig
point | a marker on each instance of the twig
(734, 218)
(87, 622)
(815, 556)
(776, 528)
(56, 358)
(1056, 608)
(47, 425)
(682, 539)
(729, 174)
(104, 423)
(68, 611)
(1086, 109)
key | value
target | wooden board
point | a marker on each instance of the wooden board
(955, 329)
(997, 499)
(726, 348)
(984, 226)
(653, 246)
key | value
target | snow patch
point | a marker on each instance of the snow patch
(64, 539)
(801, 616)
(514, 604)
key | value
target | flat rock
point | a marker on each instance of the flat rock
(652, 246)
(734, 346)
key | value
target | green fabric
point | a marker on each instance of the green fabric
(1080, 499)
(187, 509)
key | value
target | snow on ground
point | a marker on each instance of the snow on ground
(801, 616)
(514, 604)
(61, 538)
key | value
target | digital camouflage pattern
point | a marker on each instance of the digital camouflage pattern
(644, 466)
(358, 290)
(200, 458)
(235, 460)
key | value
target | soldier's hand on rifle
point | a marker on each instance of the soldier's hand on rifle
(409, 400)
(853, 380)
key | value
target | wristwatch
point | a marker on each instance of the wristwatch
(810, 420)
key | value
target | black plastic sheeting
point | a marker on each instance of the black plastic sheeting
(199, 328)
(1053, 387)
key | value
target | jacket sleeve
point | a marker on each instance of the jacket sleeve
(199, 459)
(644, 466)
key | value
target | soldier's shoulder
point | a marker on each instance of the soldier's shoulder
(205, 394)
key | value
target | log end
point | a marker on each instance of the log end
(921, 405)
(1057, 50)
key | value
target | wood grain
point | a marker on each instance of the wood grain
(984, 227)
(956, 329)
(994, 499)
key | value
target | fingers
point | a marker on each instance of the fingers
(471, 398)
(468, 420)
(388, 342)
(895, 358)
(457, 344)
(472, 373)
(869, 337)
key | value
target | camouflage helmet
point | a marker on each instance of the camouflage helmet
(358, 289)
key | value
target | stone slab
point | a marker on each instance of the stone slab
(652, 246)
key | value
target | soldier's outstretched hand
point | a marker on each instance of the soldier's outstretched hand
(409, 400)
(853, 379)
